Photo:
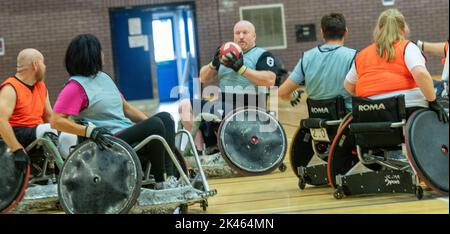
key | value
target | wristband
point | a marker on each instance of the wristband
(212, 66)
(242, 70)
(420, 44)
(88, 131)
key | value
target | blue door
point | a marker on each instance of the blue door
(162, 38)
(131, 30)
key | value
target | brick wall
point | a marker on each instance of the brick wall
(428, 20)
(49, 25)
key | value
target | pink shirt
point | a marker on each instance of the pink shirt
(72, 99)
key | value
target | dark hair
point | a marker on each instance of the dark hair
(84, 56)
(333, 26)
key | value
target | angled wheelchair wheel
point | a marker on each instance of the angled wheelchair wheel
(252, 141)
(427, 146)
(13, 180)
(98, 181)
(342, 156)
(301, 150)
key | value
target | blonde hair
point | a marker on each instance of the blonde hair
(391, 27)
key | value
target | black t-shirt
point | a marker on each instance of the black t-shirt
(268, 62)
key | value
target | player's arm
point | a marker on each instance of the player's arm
(8, 99)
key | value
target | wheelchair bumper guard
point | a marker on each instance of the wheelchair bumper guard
(213, 165)
(377, 182)
(39, 198)
(314, 175)
(165, 201)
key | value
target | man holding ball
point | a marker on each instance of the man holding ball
(240, 68)
(254, 66)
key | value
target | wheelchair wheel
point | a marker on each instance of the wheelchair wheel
(301, 150)
(13, 180)
(252, 142)
(427, 146)
(302, 183)
(419, 193)
(282, 167)
(338, 193)
(184, 209)
(204, 205)
(100, 181)
(342, 156)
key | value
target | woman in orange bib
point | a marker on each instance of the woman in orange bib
(393, 66)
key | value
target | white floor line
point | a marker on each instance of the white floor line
(445, 199)
(287, 208)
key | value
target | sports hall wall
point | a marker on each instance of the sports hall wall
(49, 25)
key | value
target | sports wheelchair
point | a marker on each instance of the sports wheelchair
(95, 180)
(312, 140)
(383, 149)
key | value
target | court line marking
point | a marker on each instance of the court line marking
(353, 206)
(271, 199)
(445, 199)
(281, 209)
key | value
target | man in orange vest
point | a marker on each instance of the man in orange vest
(24, 104)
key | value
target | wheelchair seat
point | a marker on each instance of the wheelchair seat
(311, 142)
(378, 123)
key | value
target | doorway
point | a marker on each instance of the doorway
(154, 50)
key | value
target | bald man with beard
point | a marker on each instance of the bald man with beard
(255, 68)
(24, 104)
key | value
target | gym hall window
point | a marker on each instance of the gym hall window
(388, 2)
(269, 23)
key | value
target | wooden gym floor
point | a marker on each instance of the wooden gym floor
(278, 192)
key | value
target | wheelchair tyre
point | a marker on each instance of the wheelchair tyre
(125, 193)
(338, 193)
(282, 167)
(419, 193)
(184, 209)
(204, 205)
(192, 174)
(302, 183)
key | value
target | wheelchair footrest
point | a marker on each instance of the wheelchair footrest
(315, 175)
(375, 182)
